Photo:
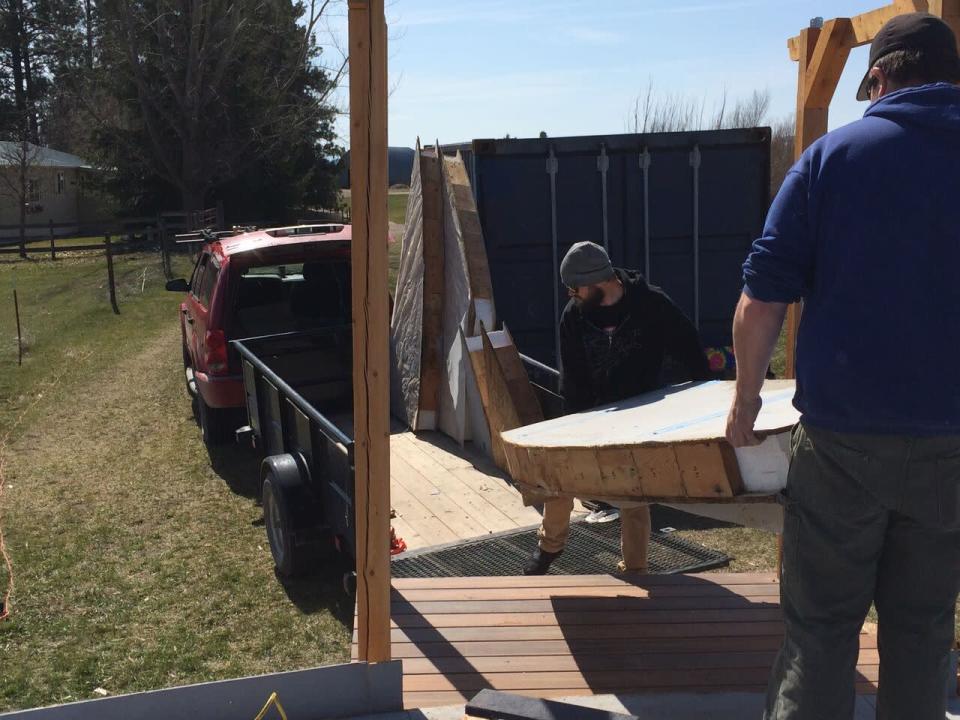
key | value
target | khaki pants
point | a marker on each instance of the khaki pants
(634, 530)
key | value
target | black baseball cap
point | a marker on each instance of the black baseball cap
(912, 31)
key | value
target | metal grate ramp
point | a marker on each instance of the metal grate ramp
(593, 549)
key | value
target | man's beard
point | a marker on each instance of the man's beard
(593, 299)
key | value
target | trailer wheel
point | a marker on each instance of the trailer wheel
(291, 518)
(215, 423)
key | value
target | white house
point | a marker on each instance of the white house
(60, 188)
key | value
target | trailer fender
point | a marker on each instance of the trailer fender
(291, 513)
(288, 468)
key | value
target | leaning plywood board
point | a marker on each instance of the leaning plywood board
(453, 420)
(478, 429)
(416, 331)
(663, 445)
(505, 391)
(466, 224)
(467, 302)
(406, 323)
(432, 363)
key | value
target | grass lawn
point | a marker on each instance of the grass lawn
(397, 207)
(140, 561)
(396, 204)
(93, 240)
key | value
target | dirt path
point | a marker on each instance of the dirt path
(138, 565)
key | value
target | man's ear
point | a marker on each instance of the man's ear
(880, 80)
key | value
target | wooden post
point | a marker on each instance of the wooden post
(811, 124)
(16, 311)
(53, 249)
(371, 351)
(110, 279)
(822, 55)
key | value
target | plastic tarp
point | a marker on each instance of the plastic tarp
(406, 323)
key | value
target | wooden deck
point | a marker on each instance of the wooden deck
(560, 636)
(442, 493)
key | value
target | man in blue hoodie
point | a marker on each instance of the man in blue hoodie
(866, 230)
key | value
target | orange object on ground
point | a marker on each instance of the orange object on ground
(397, 545)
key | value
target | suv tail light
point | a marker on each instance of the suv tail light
(215, 355)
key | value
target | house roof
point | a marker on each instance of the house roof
(45, 157)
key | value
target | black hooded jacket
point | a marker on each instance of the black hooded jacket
(655, 344)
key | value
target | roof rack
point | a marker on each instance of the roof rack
(203, 235)
(312, 229)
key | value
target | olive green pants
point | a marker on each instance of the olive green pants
(868, 519)
(634, 531)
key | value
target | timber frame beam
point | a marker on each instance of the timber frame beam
(821, 54)
(371, 324)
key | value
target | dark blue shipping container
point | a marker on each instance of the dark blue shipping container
(683, 208)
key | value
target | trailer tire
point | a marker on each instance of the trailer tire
(290, 517)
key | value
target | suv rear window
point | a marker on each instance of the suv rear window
(295, 296)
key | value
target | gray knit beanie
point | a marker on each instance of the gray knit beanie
(585, 263)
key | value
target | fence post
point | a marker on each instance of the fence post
(110, 279)
(16, 310)
(165, 249)
(53, 249)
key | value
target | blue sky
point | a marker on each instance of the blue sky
(462, 69)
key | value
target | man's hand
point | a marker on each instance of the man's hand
(741, 421)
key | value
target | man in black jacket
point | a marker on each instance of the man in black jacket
(619, 337)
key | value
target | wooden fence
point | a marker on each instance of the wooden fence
(139, 234)
(107, 247)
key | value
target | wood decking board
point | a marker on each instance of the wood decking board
(442, 493)
(557, 636)
(468, 495)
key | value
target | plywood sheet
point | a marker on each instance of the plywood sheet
(457, 316)
(504, 388)
(431, 365)
(466, 225)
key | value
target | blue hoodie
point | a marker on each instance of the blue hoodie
(866, 229)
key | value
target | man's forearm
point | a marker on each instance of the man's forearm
(756, 328)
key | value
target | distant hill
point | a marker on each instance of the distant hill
(400, 166)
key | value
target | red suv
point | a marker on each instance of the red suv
(257, 283)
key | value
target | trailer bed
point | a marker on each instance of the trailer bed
(442, 493)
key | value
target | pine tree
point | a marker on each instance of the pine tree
(217, 97)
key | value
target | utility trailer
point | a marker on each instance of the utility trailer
(299, 397)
